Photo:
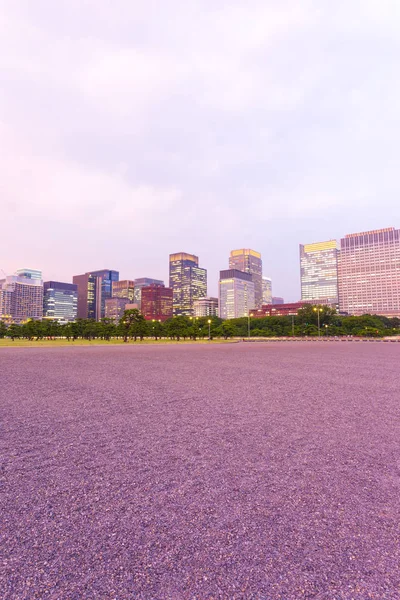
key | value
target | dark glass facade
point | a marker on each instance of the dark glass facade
(107, 278)
(89, 296)
(60, 301)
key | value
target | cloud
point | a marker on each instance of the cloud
(147, 128)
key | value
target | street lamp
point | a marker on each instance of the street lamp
(317, 309)
(249, 314)
(193, 323)
(209, 329)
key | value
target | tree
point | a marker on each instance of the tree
(156, 329)
(14, 331)
(128, 320)
(227, 329)
(138, 328)
(178, 327)
(3, 329)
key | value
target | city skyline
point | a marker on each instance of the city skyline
(319, 276)
(358, 275)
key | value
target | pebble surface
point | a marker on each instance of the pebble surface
(260, 471)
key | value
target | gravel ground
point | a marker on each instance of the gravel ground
(265, 471)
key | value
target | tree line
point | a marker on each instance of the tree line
(133, 326)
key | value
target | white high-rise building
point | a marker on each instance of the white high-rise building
(21, 297)
(369, 273)
(236, 294)
(205, 307)
(249, 261)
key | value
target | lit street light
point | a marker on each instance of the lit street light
(318, 309)
(209, 329)
(249, 314)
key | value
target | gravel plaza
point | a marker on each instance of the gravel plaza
(262, 471)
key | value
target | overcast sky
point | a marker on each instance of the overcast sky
(130, 130)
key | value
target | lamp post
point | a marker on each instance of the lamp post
(293, 325)
(192, 324)
(317, 309)
(209, 329)
(249, 314)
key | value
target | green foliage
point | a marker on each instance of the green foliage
(3, 329)
(134, 326)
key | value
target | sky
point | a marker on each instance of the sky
(131, 130)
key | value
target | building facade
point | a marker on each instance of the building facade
(369, 273)
(249, 261)
(277, 300)
(21, 298)
(319, 271)
(266, 290)
(123, 289)
(140, 283)
(236, 294)
(89, 296)
(278, 310)
(60, 301)
(30, 274)
(205, 307)
(157, 302)
(107, 278)
(187, 280)
(115, 308)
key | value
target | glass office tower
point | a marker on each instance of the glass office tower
(249, 261)
(107, 278)
(60, 301)
(123, 289)
(319, 271)
(187, 280)
(89, 296)
(236, 294)
(266, 290)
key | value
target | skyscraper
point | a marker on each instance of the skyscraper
(115, 308)
(236, 294)
(123, 289)
(267, 290)
(369, 272)
(107, 278)
(89, 296)
(205, 307)
(30, 273)
(188, 281)
(60, 301)
(21, 298)
(140, 283)
(249, 261)
(157, 302)
(319, 271)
